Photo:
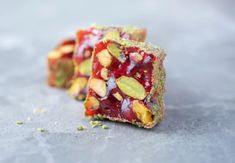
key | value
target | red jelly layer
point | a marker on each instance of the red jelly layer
(141, 71)
(86, 42)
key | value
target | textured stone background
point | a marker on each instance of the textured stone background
(199, 38)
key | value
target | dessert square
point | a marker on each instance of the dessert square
(85, 42)
(60, 64)
(127, 83)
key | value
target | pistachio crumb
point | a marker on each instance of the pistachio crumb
(39, 110)
(104, 127)
(40, 129)
(81, 128)
(95, 124)
(19, 122)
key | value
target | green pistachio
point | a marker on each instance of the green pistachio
(112, 34)
(95, 124)
(104, 127)
(85, 67)
(81, 128)
(114, 50)
(19, 122)
(40, 129)
(131, 87)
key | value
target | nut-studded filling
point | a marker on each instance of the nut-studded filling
(85, 43)
(121, 81)
(60, 64)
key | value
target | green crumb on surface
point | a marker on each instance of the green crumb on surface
(95, 124)
(39, 110)
(81, 128)
(104, 127)
(40, 129)
(19, 122)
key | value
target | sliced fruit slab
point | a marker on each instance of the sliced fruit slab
(60, 64)
(127, 83)
(85, 42)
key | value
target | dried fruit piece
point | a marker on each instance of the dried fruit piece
(118, 96)
(131, 87)
(142, 112)
(104, 58)
(92, 103)
(104, 73)
(98, 86)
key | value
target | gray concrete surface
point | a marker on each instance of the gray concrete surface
(199, 38)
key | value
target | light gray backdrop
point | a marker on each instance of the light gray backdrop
(199, 38)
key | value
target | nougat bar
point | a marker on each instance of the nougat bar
(127, 83)
(60, 64)
(85, 42)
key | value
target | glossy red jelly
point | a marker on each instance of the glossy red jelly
(86, 40)
(140, 70)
